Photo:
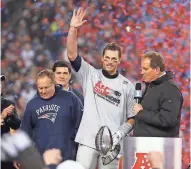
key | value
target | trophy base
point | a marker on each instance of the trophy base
(111, 155)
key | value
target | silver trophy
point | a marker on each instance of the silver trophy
(104, 145)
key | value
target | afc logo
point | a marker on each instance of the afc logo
(110, 95)
(105, 91)
(141, 161)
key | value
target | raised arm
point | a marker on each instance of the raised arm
(75, 23)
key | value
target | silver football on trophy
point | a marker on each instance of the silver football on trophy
(104, 145)
(104, 141)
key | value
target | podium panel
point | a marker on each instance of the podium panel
(135, 151)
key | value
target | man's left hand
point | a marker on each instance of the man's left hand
(117, 137)
(137, 107)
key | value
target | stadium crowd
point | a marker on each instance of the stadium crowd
(36, 38)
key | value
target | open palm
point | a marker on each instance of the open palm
(77, 18)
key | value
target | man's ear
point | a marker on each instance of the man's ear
(158, 70)
(119, 60)
(102, 59)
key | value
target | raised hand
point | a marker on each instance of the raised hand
(77, 18)
(52, 157)
(16, 164)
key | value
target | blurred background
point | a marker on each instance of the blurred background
(33, 36)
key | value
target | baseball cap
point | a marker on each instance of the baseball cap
(69, 164)
(3, 77)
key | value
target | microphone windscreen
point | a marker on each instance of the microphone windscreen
(138, 92)
(138, 86)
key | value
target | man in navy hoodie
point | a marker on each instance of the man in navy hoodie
(53, 116)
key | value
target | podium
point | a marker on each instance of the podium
(135, 151)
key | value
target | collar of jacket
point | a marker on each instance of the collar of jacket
(169, 75)
(70, 89)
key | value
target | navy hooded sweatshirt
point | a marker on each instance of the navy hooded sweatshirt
(53, 123)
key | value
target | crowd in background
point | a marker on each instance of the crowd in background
(34, 35)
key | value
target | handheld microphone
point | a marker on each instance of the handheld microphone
(138, 93)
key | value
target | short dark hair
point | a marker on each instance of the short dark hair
(46, 73)
(60, 63)
(156, 60)
(114, 47)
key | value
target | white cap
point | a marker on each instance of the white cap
(69, 164)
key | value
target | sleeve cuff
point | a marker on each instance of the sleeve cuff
(76, 64)
(139, 114)
(52, 166)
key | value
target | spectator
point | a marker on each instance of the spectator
(9, 120)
